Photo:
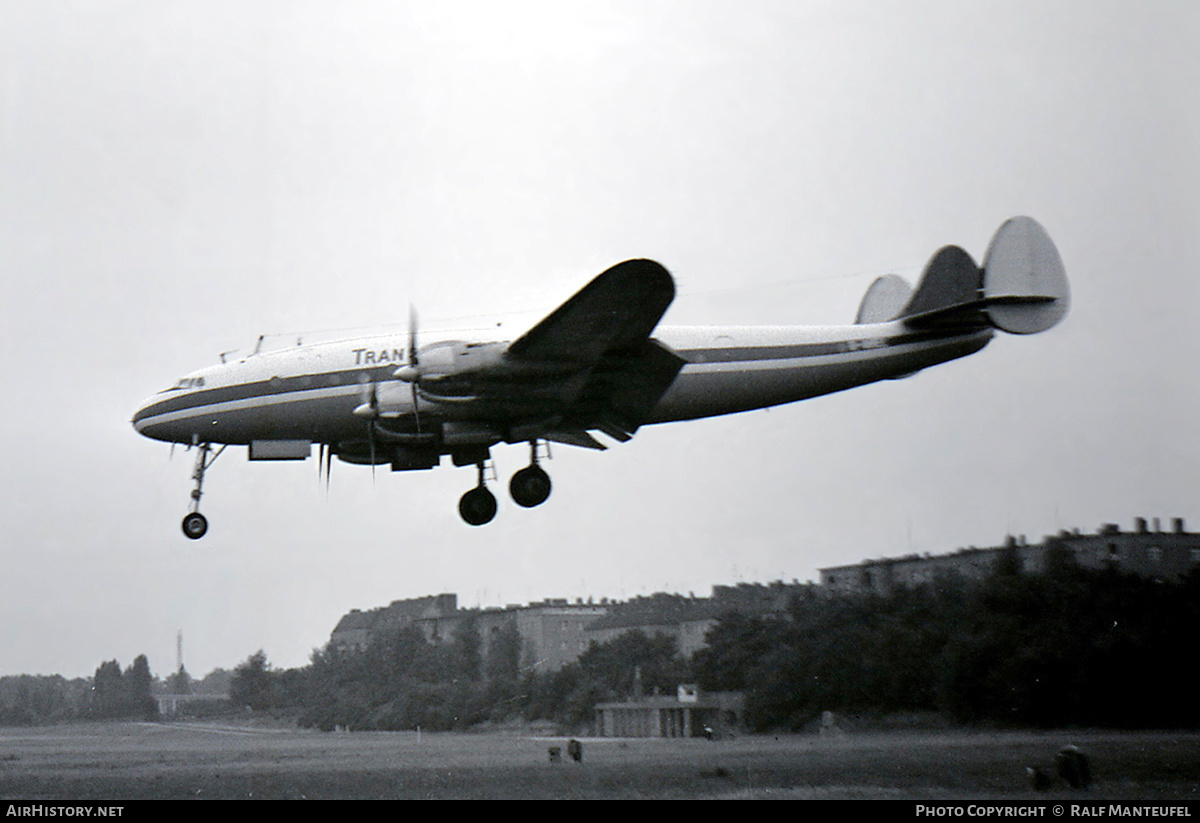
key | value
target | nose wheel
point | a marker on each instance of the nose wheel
(195, 525)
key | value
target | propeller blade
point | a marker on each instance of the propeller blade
(325, 455)
(371, 446)
(369, 411)
(414, 362)
(324, 463)
(412, 335)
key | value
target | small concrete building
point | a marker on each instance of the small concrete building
(688, 714)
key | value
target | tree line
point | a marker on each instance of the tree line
(112, 693)
(402, 681)
(1067, 647)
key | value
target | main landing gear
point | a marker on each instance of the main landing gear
(195, 525)
(478, 506)
(529, 487)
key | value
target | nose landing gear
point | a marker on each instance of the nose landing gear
(195, 525)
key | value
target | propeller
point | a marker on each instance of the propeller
(324, 463)
(411, 373)
(414, 361)
(369, 410)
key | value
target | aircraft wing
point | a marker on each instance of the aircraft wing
(590, 365)
(596, 357)
(617, 310)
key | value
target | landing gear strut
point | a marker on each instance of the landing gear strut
(478, 506)
(531, 485)
(195, 525)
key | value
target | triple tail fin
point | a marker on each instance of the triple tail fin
(1022, 287)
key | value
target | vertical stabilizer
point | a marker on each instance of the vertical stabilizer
(1024, 281)
(885, 300)
(949, 288)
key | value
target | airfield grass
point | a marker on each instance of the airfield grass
(131, 761)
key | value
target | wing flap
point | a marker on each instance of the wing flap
(574, 438)
(624, 388)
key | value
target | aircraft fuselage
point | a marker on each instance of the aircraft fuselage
(308, 392)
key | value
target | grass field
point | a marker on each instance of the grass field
(127, 761)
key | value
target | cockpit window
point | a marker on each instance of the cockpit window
(189, 383)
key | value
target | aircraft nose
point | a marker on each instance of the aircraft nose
(142, 417)
(139, 415)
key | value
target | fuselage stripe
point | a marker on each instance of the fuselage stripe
(347, 382)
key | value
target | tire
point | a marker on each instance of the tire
(478, 506)
(195, 526)
(530, 487)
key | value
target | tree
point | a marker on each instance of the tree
(504, 653)
(251, 684)
(468, 649)
(108, 691)
(117, 694)
(138, 681)
(180, 682)
(633, 664)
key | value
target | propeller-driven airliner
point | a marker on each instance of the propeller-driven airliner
(599, 364)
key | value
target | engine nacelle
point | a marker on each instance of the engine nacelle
(450, 357)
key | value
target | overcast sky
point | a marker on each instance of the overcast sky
(179, 177)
